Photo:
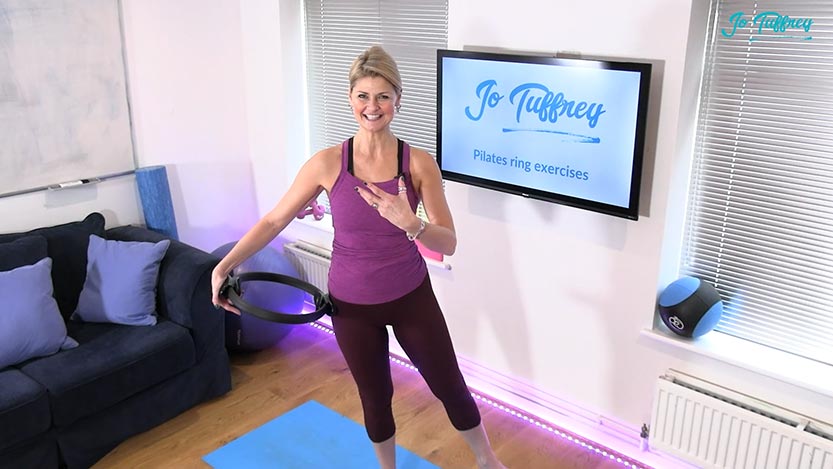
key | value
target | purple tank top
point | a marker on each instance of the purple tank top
(373, 261)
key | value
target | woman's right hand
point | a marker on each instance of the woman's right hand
(318, 172)
(218, 278)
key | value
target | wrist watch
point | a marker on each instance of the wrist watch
(414, 236)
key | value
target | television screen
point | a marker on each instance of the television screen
(569, 131)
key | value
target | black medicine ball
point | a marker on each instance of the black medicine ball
(690, 307)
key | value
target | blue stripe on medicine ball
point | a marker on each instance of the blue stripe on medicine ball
(678, 291)
(709, 320)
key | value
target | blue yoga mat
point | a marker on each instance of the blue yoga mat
(308, 436)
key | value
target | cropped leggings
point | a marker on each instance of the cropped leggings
(420, 328)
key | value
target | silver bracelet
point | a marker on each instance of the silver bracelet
(412, 237)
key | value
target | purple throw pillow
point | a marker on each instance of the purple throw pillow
(121, 282)
(30, 322)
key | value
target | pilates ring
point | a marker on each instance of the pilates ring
(231, 289)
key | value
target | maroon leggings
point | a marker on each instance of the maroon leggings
(420, 329)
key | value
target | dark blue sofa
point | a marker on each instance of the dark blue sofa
(71, 408)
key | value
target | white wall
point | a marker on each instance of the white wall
(550, 295)
(188, 92)
(208, 89)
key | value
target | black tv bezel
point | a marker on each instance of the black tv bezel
(630, 212)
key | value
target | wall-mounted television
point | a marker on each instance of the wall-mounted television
(569, 131)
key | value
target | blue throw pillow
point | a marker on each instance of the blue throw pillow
(121, 282)
(67, 246)
(30, 322)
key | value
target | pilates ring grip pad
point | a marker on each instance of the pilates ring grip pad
(231, 289)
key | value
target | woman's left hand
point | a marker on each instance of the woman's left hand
(394, 208)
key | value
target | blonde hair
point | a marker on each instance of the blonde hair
(376, 62)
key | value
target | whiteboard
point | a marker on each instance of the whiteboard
(64, 112)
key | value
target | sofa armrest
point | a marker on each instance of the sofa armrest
(184, 287)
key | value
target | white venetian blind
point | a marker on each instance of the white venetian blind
(759, 224)
(337, 31)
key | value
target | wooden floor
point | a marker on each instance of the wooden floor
(308, 365)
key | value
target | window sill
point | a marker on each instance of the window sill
(791, 369)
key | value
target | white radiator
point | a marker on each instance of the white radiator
(714, 427)
(312, 262)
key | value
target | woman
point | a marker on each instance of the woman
(377, 276)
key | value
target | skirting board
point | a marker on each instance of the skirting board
(568, 416)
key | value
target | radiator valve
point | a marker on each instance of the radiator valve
(643, 435)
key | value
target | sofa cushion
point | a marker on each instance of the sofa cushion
(24, 408)
(30, 323)
(121, 282)
(67, 246)
(112, 363)
(22, 251)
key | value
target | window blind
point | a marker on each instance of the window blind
(759, 221)
(337, 31)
